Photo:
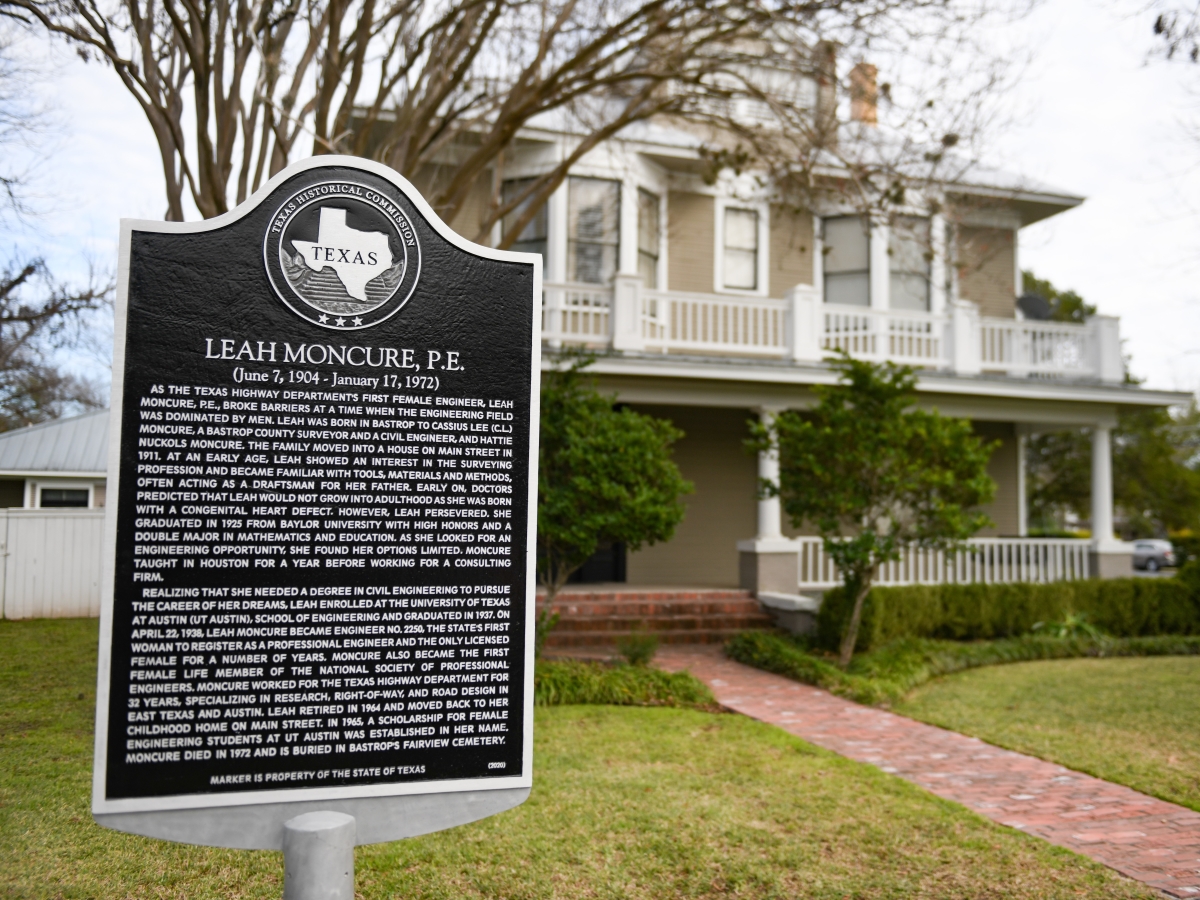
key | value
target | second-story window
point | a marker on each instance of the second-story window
(740, 262)
(847, 261)
(532, 238)
(593, 229)
(909, 255)
(649, 238)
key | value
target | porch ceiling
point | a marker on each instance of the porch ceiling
(745, 385)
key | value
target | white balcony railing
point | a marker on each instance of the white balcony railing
(917, 339)
(577, 314)
(709, 323)
(1034, 348)
(803, 330)
(981, 560)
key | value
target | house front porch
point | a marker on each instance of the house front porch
(731, 538)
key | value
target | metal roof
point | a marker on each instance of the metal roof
(77, 445)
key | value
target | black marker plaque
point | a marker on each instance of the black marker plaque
(320, 505)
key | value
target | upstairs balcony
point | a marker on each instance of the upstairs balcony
(801, 329)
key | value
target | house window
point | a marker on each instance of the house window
(532, 238)
(740, 262)
(847, 261)
(593, 230)
(649, 238)
(909, 257)
(58, 498)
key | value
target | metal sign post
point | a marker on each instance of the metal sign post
(317, 628)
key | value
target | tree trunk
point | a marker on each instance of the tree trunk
(545, 619)
(851, 636)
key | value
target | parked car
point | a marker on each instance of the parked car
(1153, 555)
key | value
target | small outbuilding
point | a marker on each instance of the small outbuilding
(56, 465)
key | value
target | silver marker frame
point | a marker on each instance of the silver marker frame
(254, 819)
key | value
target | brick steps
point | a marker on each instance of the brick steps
(598, 618)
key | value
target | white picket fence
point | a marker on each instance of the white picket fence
(50, 562)
(982, 560)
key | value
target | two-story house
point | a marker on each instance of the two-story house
(716, 302)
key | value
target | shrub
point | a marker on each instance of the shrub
(559, 682)
(885, 675)
(1123, 607)
(784, 656)
(638, 648)
(1075, 625)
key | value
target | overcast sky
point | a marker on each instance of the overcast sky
(1093, 118)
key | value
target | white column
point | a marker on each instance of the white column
(1102, 487)
(937, 266)
(964, 332)
(818, 260)
(556, 235)
(627, 247)
(626, 313)
(806, 324)
(881, 267)
(770, 511)
(1104, 334)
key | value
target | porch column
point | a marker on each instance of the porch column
(770, 511)
(1102, 501)
(1109, 557)
(769, 564)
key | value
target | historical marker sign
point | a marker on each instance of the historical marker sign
(321, 518)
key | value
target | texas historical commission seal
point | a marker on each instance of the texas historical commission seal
(342, 255)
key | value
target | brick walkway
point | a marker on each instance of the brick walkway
(1150, 840)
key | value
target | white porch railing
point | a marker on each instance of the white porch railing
(804, 330)
(982, 560)
(1035, 348)
(577, 313)
(709, 323)
(917, 339)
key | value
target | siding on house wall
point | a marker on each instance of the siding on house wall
(1005, 509)
(470, 215)
(690, 239)
(986, 264)
(720, 512)
(723, 508)
(791, 249)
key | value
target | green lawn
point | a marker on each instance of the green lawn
(1133, 721)
(628, 803)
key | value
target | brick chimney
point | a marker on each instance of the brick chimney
(864, 94)
(826, 74)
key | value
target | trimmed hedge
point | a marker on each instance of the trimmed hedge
(1122, 607)
(559, 682)
(885, 675)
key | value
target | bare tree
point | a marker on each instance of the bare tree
(441, 89)
(20, 118)
(1177, 30)
(37, 317)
